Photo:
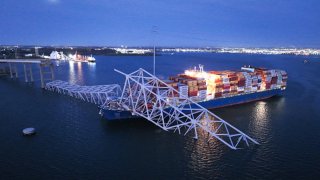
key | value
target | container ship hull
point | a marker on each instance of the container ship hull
(111, 115)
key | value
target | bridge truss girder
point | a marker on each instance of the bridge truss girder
(98, 94)
(147, 96)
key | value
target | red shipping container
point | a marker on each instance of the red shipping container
(216, 95)
(192, 93)
(268, 86)
(274, 80)
(226, 86)
(201, 83)
(233, 78)
(218, 80)
(202, 88)
(241, 83)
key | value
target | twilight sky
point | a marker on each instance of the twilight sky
(228, 23)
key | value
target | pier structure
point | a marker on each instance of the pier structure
(9, 67)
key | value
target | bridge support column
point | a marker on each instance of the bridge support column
(30, 72)
(52, 72)
(10, 68)
(16, 70)
(25, 72)
(41, 76)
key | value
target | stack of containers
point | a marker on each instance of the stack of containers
(202, 88)
(259, 81)
(284, 79)
(233, 82)
(174, 78)
(274, 79)
(217, 86)
(183, 90)
(266, 79)
(248, 82)
(254, 86)
(241, 83)
(279, 80)
(225, 83)
(172, 84)
(192, 87)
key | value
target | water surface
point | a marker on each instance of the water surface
(73, 142)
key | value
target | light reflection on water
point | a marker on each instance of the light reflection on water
(263, 113)
(72, 74)
(203, 152)
(75, 73)
(92, 66)
(260, 115)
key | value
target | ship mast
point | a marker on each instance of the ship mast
(154, 59)
(154, 30)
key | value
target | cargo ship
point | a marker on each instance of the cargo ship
(216, 89)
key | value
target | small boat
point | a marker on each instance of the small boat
(29, 131)
(91, 59)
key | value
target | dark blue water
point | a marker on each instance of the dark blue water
(73, 142)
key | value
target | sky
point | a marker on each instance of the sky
(184, 23)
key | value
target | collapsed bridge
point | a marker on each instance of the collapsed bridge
(148, 97)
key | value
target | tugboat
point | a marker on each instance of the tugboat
(91, 59)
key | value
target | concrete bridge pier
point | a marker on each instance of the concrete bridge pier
(25, 72)
(45, 66)
(46, 69)
(16, 70)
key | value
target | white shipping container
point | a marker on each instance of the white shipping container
(202, 94)
(181, 88)
(240, 88)
(226, 84)
(183, 91)
(254, 88)
(225, 80)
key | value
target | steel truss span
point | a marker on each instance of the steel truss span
(94, 94)
(147, 96)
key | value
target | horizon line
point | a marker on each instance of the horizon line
(150, 46)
